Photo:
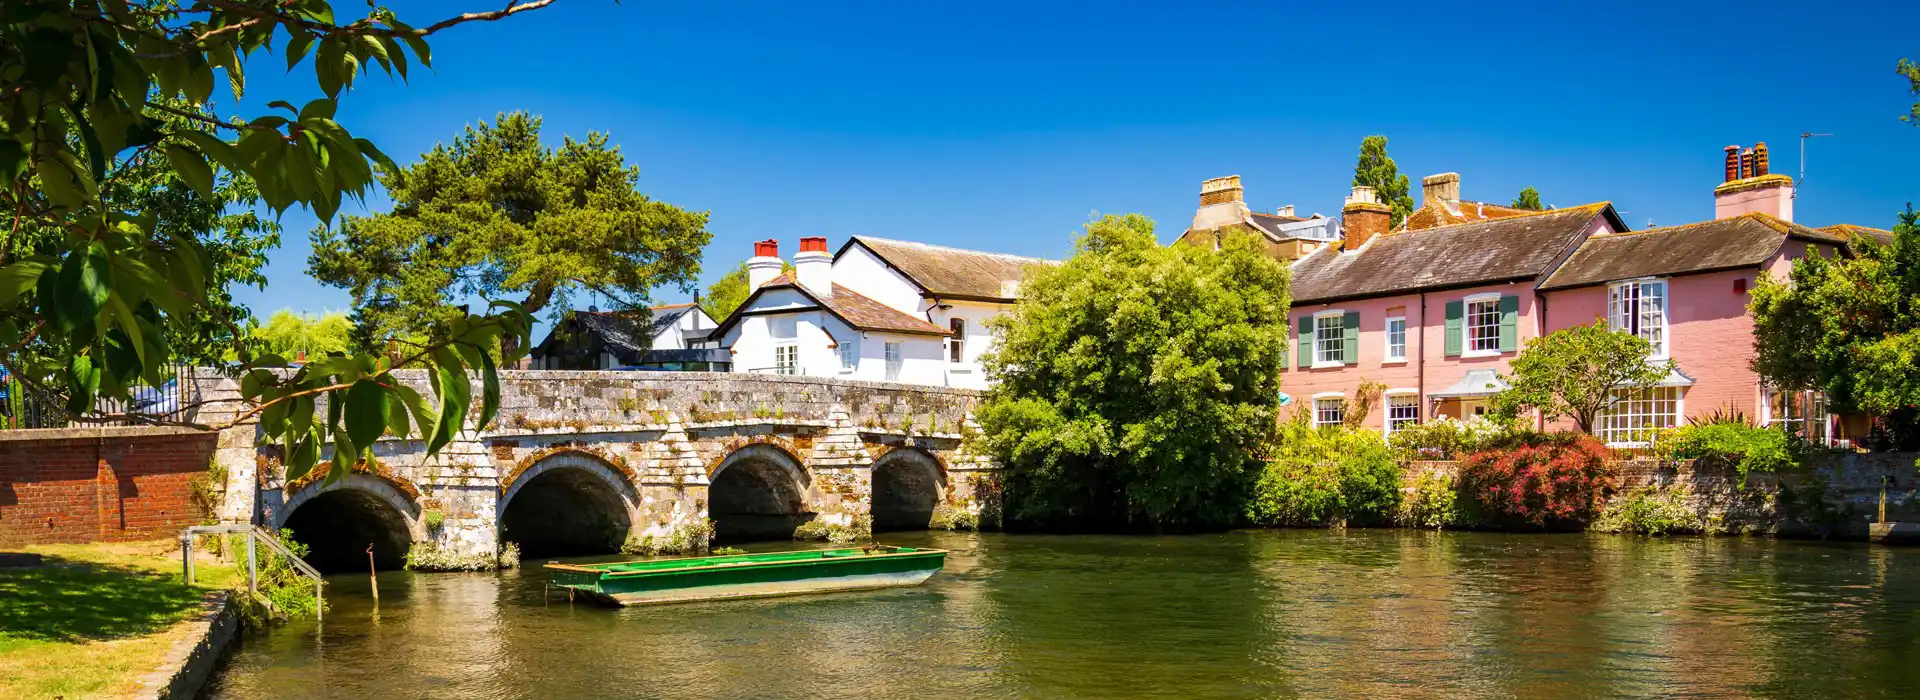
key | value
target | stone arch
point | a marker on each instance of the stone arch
(908, 483)
(338, 521)
(568, 502)
(758, 492)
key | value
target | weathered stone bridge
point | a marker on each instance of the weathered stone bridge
(581, 462)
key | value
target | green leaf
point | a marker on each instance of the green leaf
(302, 456)
(300, 416)
(129, 325)
(83, 381)
(273, 419)
(215, 149)
(489, 391)
(326, 66)
(83, 285)
(394, 52)
(297, 48)
(366, 412)
(19, 277)
(321, 108)
(13, 159)
(283, 104)
(419, 45)
(423, 415)
(191, 168)
(396, 415)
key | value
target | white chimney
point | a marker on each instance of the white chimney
(765, 263)
(813, 266)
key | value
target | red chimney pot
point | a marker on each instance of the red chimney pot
(769, 248)
(1733, 163)
(813, 244)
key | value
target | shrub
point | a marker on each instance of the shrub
(509, 556)
(1326, 476)
(287, 594)
(435, 519)
(1744, 447)
(431, 556)
(958, 519)
(1433, 501)
(1651, 512)
(1444, 438)
(1542, 480)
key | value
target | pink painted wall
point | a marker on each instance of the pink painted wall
(1426, 344)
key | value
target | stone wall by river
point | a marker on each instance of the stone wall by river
(1834, 495)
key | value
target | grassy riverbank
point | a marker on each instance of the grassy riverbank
(94, 618)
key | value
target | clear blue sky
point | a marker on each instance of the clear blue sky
(1002, 125)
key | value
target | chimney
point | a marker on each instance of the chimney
(765, 263)
(1222, 203)
(813, 266)
(1437, 188)
(1751, 188)
(1286, 211)
(1363, 217)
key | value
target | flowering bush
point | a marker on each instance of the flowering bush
(1541, 480)
(1433, 501)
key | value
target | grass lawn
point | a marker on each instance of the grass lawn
(95, 617)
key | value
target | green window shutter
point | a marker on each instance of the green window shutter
(1509, 323)
(1456, 318)
(1351, 338)
(1306, 341)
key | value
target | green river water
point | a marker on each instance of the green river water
(1255, 614)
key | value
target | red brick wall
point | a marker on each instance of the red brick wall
(92, 484)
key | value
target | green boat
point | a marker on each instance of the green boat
(747, 575)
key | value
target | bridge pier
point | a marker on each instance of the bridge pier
(594, 460)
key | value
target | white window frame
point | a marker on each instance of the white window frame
(850, 355)
(1637, 319)
(1816, 427)
(895, 362)
(1411, 397)
(1336, 346)
(1467, 338)
(1389, 354)
(957, 344)
(1335, 402)
(1637, 414)
(786, 358)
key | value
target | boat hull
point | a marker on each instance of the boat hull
(746, 576)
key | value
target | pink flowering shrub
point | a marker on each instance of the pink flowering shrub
(1541, 480)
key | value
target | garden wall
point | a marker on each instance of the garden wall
(1834, 495)
(99, 484)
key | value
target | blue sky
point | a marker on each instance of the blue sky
(1003, 125)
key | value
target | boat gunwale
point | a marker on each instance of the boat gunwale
(918, 551)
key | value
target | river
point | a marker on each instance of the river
(1255, 614)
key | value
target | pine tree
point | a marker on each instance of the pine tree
(1378, 171)
(1529, 199)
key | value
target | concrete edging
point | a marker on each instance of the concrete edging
(192, 660)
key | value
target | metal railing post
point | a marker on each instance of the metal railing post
(253, 571)
(186, 556)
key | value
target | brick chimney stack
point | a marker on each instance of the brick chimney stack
(1222, 203)
(1364, 217)
(813, 266)
(765, 263)
(1749, 187)
(1437, 188)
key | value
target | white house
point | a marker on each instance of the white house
(878, 309)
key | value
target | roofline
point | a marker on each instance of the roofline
(1297, 303)
(883, 259)
(1703, 271)
(740, 312)
(968, 297)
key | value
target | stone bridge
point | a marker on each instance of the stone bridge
(584, 462)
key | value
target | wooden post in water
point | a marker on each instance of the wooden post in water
(253, 572)
(373, 575)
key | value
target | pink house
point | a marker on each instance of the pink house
(1436, 314)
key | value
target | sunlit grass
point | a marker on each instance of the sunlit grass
(95, 618)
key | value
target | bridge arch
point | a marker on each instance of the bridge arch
(758, 492)
(570, 502)
(338, 521)
(908, 483)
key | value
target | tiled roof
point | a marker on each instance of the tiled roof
(950, 272)
(853, 308)
(1513, 248)
(1739, 241)
(1852, 231)
(1437, 213)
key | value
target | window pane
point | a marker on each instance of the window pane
(1396, 339)
(1402, 410)
(1483, 325)
(893, 362)
(1328, 411)
(1329, 340)
(1637, 413)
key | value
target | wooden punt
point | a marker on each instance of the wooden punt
(747, 575)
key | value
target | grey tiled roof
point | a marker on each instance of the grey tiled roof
(1740, 241)
(1482, 252)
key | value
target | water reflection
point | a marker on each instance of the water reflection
(1363, 613)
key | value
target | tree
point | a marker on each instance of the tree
(726, 294)
(289, 334)
(497, 213)
(1529, 199)
(1136, 384)
(1911, 71)
(1378, 171)
(100, 290)
(1573, 373)
(1847, 325)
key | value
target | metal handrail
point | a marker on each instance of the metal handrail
(255, 536)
